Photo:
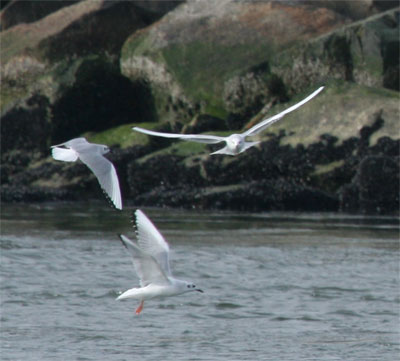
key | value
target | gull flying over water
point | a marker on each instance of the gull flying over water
(92, 155)
(150, 256)
(235, 143)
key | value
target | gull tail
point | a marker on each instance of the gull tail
(66, 155)
(248, 145)
(131, 293)
(224, 150)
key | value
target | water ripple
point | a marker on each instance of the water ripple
(277, 287)
(227, 305)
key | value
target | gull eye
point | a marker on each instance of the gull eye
(188, 286)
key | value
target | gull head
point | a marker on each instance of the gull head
(104, 149)
(235, 143)
(191, 287)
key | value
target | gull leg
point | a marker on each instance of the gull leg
(140, 308)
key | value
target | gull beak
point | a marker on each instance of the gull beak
(199, 290)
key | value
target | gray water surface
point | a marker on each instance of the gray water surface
(278, 286)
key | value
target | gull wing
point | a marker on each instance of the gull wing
(77, 144)
(151, 241)
(269, 121)
(199, 138)
(146, 267)
(105, 173)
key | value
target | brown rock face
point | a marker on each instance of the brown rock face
(20, 11)
(82, 28)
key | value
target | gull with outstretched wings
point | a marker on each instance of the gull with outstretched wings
(235, 143)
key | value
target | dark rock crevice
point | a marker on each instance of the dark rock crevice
(99, 99)
(338, 55)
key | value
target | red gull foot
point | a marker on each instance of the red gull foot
(140, 308)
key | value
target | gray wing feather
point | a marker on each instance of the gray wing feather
(199, 138)
(151, 241)
(77, 144)
(105, 173)
(146, 267)
(269, 121)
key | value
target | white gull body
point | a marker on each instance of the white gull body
(150, 256)
(235, 143)
(92, 155)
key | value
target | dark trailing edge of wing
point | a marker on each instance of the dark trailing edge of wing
(120, 238)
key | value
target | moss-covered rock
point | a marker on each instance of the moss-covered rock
(365, 52)
(71, 98)
(75, 69)
(193, 51)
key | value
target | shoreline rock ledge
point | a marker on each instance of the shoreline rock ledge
(98, 68)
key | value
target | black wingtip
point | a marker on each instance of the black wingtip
(134, 222)
(109, 200)
(133, 218)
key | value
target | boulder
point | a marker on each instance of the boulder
(60, 78)
(193, 56)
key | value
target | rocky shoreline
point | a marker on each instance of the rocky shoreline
(352, 178)
(176, 68)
